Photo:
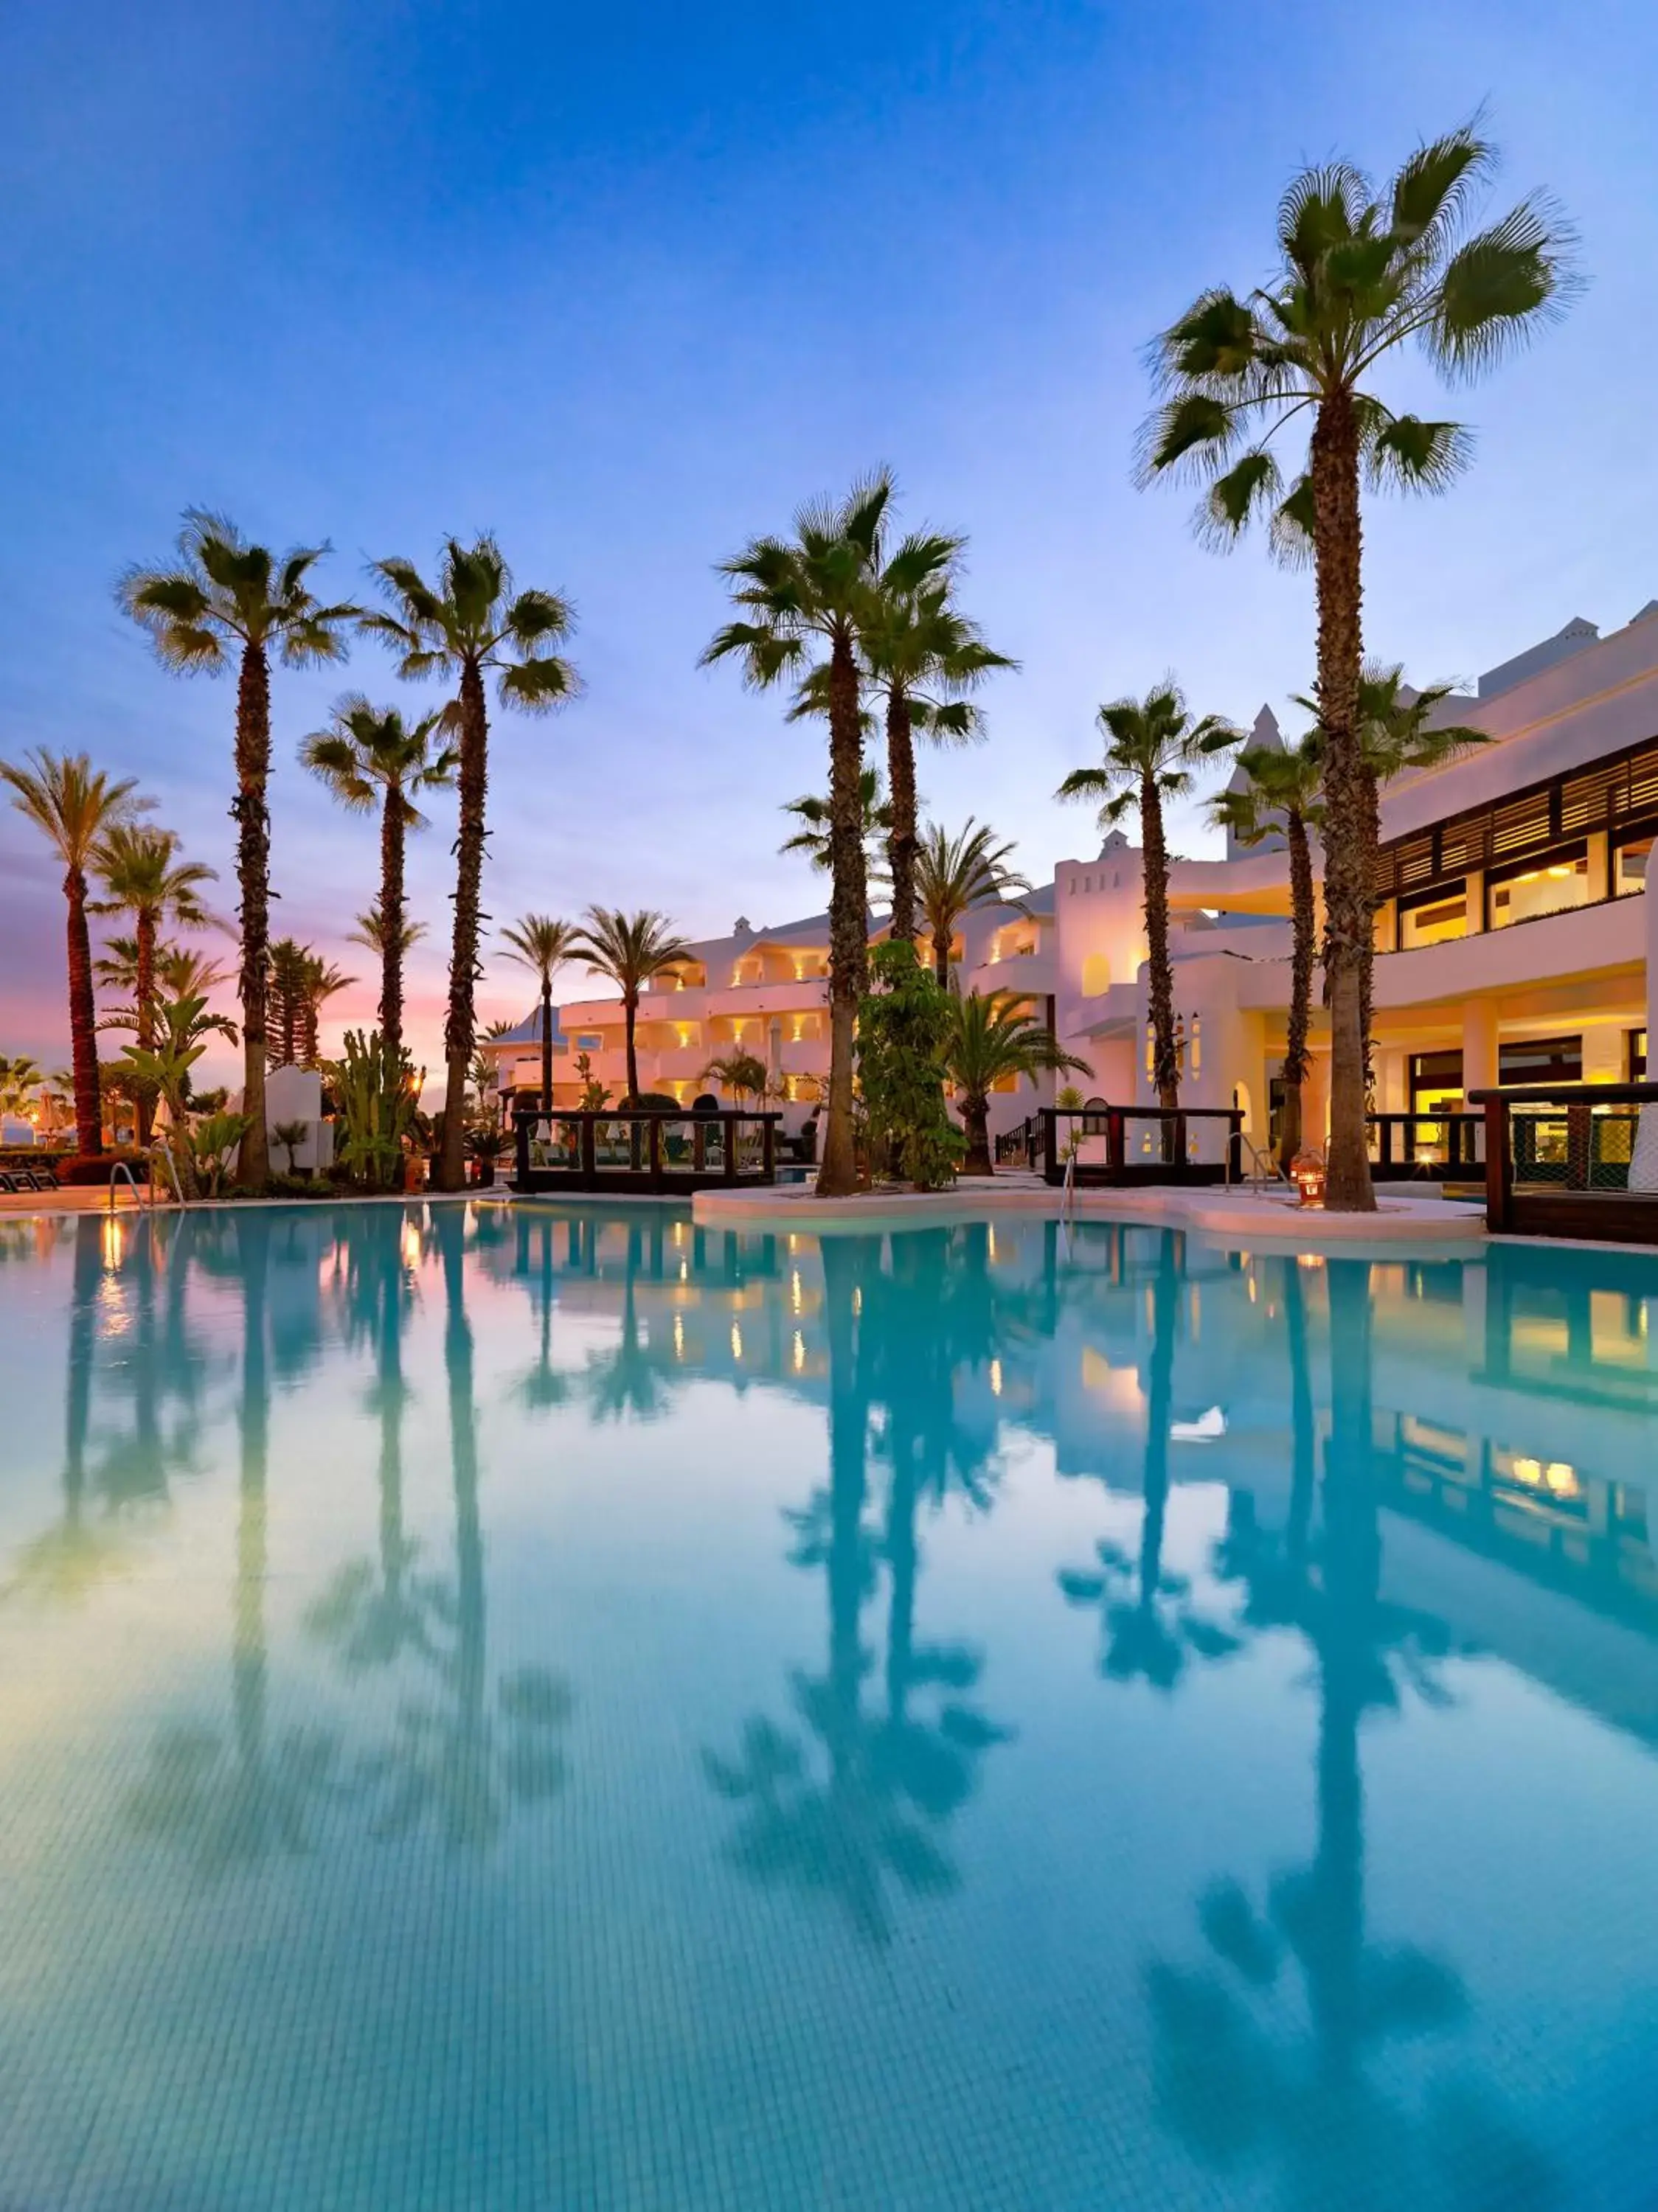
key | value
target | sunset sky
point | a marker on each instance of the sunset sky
(626, 284)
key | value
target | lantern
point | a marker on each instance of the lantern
(1306, 1172)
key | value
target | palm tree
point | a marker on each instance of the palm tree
(797, 594)
(1359, 275)
(182, 973)
(371, 756)
(630, 949)
(143, 876)
(744, 1075)
(322, 982)
(1284, 794)
(1394, 735)
(228, 599)
(285, 999)
(542, 944)
(921, 656)
(20, 1077)
(371, 931)
(813, 814)
(954, 874)
(1151, 744)
(74, 808)
(989, 1039)
(472, 620)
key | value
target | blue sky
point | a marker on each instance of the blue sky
(626, 284)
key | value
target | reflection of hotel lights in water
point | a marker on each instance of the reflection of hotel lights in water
(679, 1336)
(995, 1378)
(684, 1271)
(794, 1292)
(989, 1244)
(1558, 1479)
(114, 1241)
(799, 1352)
(857, 1299)
(411, 1244)
(736, 1341)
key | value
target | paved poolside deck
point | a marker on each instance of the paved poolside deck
(1412, 1217)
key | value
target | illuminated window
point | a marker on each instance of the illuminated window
(1096, 975)
(1532, 892)
(1629, 865)
(1434, 921)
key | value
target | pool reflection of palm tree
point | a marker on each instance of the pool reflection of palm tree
(231, 1801)
(1230, 2084)
(542, 1385)
(887, 1777)
(1151, 1628)
(631, 1377)
(375, 1610)
(464, 1761)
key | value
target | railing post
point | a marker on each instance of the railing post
(729, 1122)
(1116, 1141)
(1499, 1167)
(1047, 1120)
(769, 1149)
(655, 1151)
(1181, 1161)
(589, 1152)
(520, 1132)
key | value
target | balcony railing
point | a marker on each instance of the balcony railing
(1116, 1145)
(1568, 1159)
(1427, 1147)
(664, 1154)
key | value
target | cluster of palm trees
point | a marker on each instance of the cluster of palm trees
(864, 627)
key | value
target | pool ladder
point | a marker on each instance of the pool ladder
(122, 1169)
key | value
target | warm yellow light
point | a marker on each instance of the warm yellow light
(684, 1271)
(1561, 1479)
(114, 1241)
(1558, 872)
(736, 1341)
(995, 1378)
(794, 1291)
(799, 1352)
(990, 1242)
(411, 1244)
(857, 1299)
(1528, 1471)
(1306, 1172)
(679, 1336)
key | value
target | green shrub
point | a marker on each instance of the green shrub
(902, 1027)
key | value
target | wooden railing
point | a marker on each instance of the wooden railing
(1434, 1147)
(1564, 1159)
(1115, 1145)
(657, 1152)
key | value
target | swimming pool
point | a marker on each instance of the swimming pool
(568, 1709)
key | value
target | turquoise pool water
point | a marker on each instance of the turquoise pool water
(570, 1710)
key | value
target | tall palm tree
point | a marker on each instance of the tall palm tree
(1359, 275)
(922, 657)
(370, 756)
(954, 875)
(798, 596)
(1396, 732)
(541, 942)
(181, 973)
(1151, 746)
(628, 949)
(989, 1039)
(471, 620)
(226, 601)
(813, 814)
(1283, 795)
(74, 808)
(143, 876)
(285, 999)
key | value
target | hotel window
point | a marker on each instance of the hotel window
(1629, 870)
(1638, 1056)
(1541, 1060)
(1436, 1082)
(1433, 919)
(589, 1041)
(1522, 894)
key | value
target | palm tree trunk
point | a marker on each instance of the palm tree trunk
(975, 1122)
(1303, 925)
(82, 1018)
(1165, 1068)
(144, 994)
(631, 1016)
(458, 1029)
(941, 957)
(849, 916)
(546, 1044)
(391, 925)
(310, 1029)
(1347, 895)
(253, 816)
(1372, 790)
(901, 837)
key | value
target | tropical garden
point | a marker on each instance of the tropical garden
(1269, 398)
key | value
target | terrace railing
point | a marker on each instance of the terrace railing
(1442, 1147)
(1112, 1146)
(655, 1151)
(1572, 1159)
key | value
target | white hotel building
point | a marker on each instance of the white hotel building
(1513, 943)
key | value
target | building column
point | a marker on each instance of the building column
(1479, 1061)
(1649, 899)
